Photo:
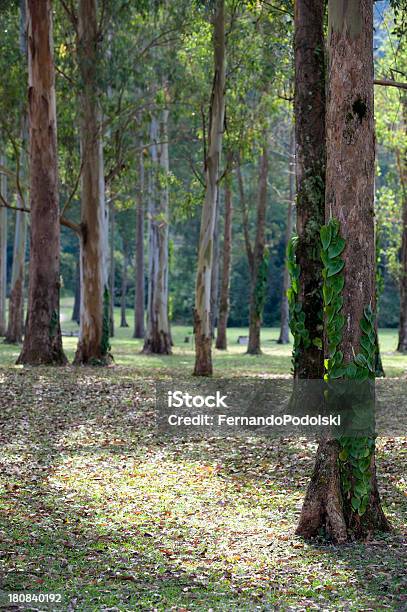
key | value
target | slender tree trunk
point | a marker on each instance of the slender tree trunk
(123, 322)
(112, 271)
(349, 199)
(215, 271)
(42, 338)
(284, 337)
(221, 340)
(3, 253)
(158, 337)
(139, 260)
(93, 345)
(77, 299)
(257, 286)
(202, 314)
(402, 168)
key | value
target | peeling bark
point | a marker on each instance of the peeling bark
(42, 339)
(202, 311)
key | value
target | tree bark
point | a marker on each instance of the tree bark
(256, 300)
(139, 260)
(42, 338)
(309, 108)
(202, 314)
(77, 299)
(402, 169)
(215, 270)
(3, 252)
(93, 345)
(123, 297)
(112, 269)
(158, 337)
(284, 337)
(221, 340)
(350, 199)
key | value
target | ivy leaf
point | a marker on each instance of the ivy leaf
(337, 283)
(336, 247)
(326, 234)
(335, 266)
(360, 360)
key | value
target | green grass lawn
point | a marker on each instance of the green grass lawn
(96, 503)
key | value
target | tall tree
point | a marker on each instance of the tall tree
(139, 259)
(258, 257)
(338, 499)
(221, 339)
(402, 169)
(202, 314)
(158, 337)
(3, 251)
(42, 338)
(284, 336)
(93, 345)
(123, 296)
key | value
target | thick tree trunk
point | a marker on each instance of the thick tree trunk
(309, 107)
(123, 297)
(221, 340)
(349, 199)
(257, 288)
(158, 337)
(112, 269)
(93, 345)
(42, 338)
(284, 337)
(202, 314)
(402, 168)
(139, 260)
(77, 299)
(3, 252)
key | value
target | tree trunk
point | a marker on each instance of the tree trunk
(42, 338)
(158, 337)
(139, 260)
(112, 269)
(77, 299)
(3, 252)
(309, 107)
(284, 337)
(123, 322)
(93, 346)
(221, 340)
(202, 315)
(215, 270)
(349, 198)
(402, 169)
(257, 285)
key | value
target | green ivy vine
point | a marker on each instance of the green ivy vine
(297, 315)
(356, 452)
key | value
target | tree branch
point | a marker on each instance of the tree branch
(390, 83)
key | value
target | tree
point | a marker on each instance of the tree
(343, 497)
(221, 339)
(93, 345)
(202, 314)
(3, 252)
(158, 337)
(284, 336)
(402, 169)
(42, 338)
(139, 258)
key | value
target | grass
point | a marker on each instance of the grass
(96, 503)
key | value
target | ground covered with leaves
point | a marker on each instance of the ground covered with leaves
(97, 504)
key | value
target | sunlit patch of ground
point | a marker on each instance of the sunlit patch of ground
(96, 503)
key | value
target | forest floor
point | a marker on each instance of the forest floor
(97, 504)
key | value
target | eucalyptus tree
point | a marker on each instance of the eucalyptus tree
(42, 338)
(3, 249)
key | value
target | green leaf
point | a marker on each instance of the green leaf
(336, 247)
(326, 234)
(343, 455)
(334, 267)
(360, 360)
(338, 283)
